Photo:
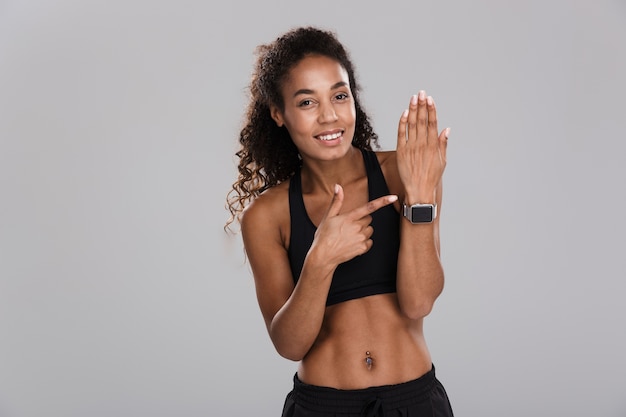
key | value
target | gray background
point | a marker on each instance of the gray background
(121, 295)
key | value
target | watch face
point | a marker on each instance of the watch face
(422, 214)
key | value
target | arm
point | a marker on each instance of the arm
(294, 314)
(421, 159)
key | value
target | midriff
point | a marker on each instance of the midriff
(353, 328)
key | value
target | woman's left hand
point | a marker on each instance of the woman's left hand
(421, 150)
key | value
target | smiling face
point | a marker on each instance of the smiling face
(319, 110)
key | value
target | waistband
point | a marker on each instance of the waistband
(385, 397)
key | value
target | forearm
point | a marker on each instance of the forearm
(420, 276)
(296, 325)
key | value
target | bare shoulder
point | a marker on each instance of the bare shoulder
(389, 165)
(267, 215)
(386, 158)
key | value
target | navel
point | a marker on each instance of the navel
(369, 361)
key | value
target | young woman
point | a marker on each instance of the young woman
(343, 241)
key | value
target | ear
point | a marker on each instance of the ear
(277, 115)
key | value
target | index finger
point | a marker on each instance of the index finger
(373, 205)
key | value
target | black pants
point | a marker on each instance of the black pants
(424, 396)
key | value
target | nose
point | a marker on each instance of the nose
(327, 113)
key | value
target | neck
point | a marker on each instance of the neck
(323, 175)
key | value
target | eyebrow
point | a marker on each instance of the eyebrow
(307, 91)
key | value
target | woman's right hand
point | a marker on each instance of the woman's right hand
(341, 237)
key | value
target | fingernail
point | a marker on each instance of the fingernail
(405, 113)
(447, 132)
(336, 188)
(393, 198)
(414, 99)
(429, 100)
(422, 94)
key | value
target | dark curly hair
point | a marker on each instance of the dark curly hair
(267, 155)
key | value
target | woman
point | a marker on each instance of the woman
(343, 242)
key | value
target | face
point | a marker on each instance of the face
(319, 110)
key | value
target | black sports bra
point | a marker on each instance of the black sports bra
(374, 272)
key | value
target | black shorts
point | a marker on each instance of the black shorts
(424, 396)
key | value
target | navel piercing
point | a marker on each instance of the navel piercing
(368, 360)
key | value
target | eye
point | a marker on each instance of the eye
(341, 97)
(305, 103)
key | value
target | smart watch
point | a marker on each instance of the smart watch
(420, 213)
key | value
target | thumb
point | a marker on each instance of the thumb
(336, 202)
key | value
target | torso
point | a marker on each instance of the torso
(371, 324)
(373, 272)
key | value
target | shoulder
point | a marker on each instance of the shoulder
(386, 158)
(389, 165)
(268, 214)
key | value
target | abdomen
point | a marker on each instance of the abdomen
(371, 327)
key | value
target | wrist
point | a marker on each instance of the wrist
(420, 213)
(318, 262)
(417, 197)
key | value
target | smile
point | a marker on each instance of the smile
(331, 136)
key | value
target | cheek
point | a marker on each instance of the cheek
(350, 111)
(297, 123)
(351, 115)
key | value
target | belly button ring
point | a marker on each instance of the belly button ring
(368, 360)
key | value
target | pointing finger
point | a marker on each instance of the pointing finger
(372, 206)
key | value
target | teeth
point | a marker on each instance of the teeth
(330, 137)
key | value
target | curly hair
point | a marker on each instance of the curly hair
(267, 155)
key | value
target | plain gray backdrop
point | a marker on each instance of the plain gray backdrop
(120, 293)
